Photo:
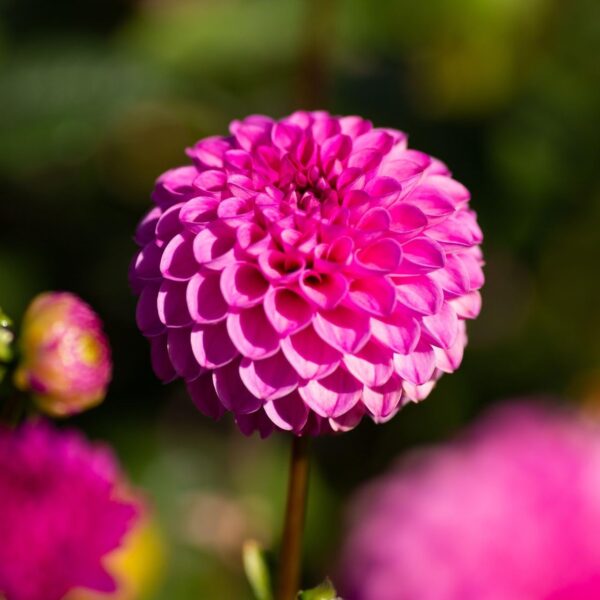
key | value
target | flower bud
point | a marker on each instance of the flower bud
(65, 357)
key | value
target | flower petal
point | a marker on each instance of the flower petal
(243, 285)
(211, 345)
(180, 352)
(333, 395)
(343, 328)
(177, 261)
(204, 298)
(270, 378)
(373, 295)
(172, 304)
(289, 413)
(287, 311)
(232, 392)
(372, 365)
(420, 294)
(418, 366)
(309, 355)
(252, 334)
(203, 395)
(323, 290)
(399, 332)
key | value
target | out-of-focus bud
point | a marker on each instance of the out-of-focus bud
(65, 357)
(137, 566)
(6, 340)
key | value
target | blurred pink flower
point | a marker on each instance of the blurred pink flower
(59, 513)
(65, 360)
(509, 512)
(315, 266)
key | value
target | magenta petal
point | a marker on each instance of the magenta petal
(420, 294)
(343, 328)
(418, 366)
(406, 220)
(180, 352)
(159, 357)
(422, 255)
(372, 365)
(232, 392)
(323, 290)
(177, 262)
(146, 313)
(204, 298)
(383, 401)
(289, 413)
(203, 395)
(382, 256)
(374, 220)
(416, 393)
(442, 328)
(373, 295)
(172, 304)
(211, 345)
(146, 265)
(243, 285)
(169, 225)
(286, 311)
(309, 355)
(270, 378)
(198, 212)
(252, 334)
(144, 233)
(256, 421)
(399, 332)
(213, 246)
(333, 395)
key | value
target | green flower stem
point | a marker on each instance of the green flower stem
(291, 551)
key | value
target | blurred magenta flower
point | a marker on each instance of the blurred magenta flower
(315, 266)
(65, 356)
(60, 514)
(509, 512)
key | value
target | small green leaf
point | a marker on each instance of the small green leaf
(256, 570)
(325, 591)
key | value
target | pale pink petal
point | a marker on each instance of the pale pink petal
(348, 420)
(468, 306)
(454, 278)
(252, 334)
(399, 332)
(309, 355)
(373, 295)
(416, 393)
(343, 328)
(406, 220)
(270, 378)
(252, 239)
(333, 395)
(372, 365)
(212, 346)
(420, 294)
(418, 366)
(287, 311)
(384, 400)
(442, 328)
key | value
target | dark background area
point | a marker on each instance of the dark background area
(97, 98)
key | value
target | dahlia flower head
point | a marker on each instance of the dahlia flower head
(510, 511)
(61, 513)
(65, 357)
(314, 267)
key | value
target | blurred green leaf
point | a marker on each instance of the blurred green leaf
(256, 570)
(325, 591)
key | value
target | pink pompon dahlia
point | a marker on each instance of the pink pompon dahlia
(65, 357)
(60, 513)
(316, 267)
(509, 512)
